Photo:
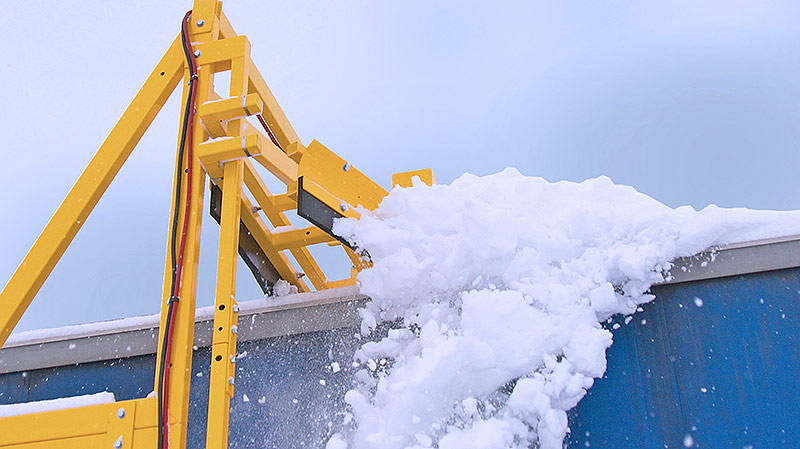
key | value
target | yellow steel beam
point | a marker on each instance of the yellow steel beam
(282, 202)
(214, 114)
(207, 11)
(405, 179)
(183, 330)
(272, 158)
(218, 54)
(225, 27)
(295, 151)
(92, 426)
(223, 353)
(81, 199)
(214, 154)
(273, 114)
(277, 218)
(337, 182)
(278, 259)
(296, 238)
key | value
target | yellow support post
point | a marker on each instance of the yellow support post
(183, 329)
(223, 353)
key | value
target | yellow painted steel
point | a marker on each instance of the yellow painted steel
(223, 353)
(215, 114)
(405, 179)
(183, 327)
(91, 426)
(246, 199)
(273, 158)
(335, 182)
(214, 154)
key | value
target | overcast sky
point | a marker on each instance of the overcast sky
(690, 102)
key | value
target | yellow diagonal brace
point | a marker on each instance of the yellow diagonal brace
(278, 259)
(273, 114)
(262, 196)
(81, 199)
(272, 158)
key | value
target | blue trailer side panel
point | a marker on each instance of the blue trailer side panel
(723, 369)
(716, 360)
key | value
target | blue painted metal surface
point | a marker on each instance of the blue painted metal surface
(725, 372)
(718, 360)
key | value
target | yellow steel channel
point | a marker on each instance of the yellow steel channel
(95, 426)
(183, 331)
(223, 355)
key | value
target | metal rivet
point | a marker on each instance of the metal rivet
(346, 166)
(230, 380)
(236, 308)
(201, 22)
(121, 413)
(197, 53)
(233, 359)
(235, 329)
(343, 207)
(118, 443)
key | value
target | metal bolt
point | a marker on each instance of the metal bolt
(201, 22)
(255, 209)
(235, 329)
(343, 207)
(236, 308)
(118, 443)
(121, 413)
(197, 53)
(230, 380)
(346, 166)
(233, 359)
(300, 275)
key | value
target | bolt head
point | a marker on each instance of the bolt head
(235, 329)
(121, 413)
(197, 53)
(118, 443)
(233, 359)
(343, 207)
(236, 308)
(346, 166)
(201, 22)
(230, 380)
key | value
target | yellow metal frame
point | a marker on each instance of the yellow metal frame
(226, 146)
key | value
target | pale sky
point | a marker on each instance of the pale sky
(689, 102)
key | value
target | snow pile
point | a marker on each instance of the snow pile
(496, 287)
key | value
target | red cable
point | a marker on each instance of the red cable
(269, 131)
(187, 211)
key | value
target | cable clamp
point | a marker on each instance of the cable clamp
(172, 299)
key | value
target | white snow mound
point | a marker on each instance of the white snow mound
(499, 285)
